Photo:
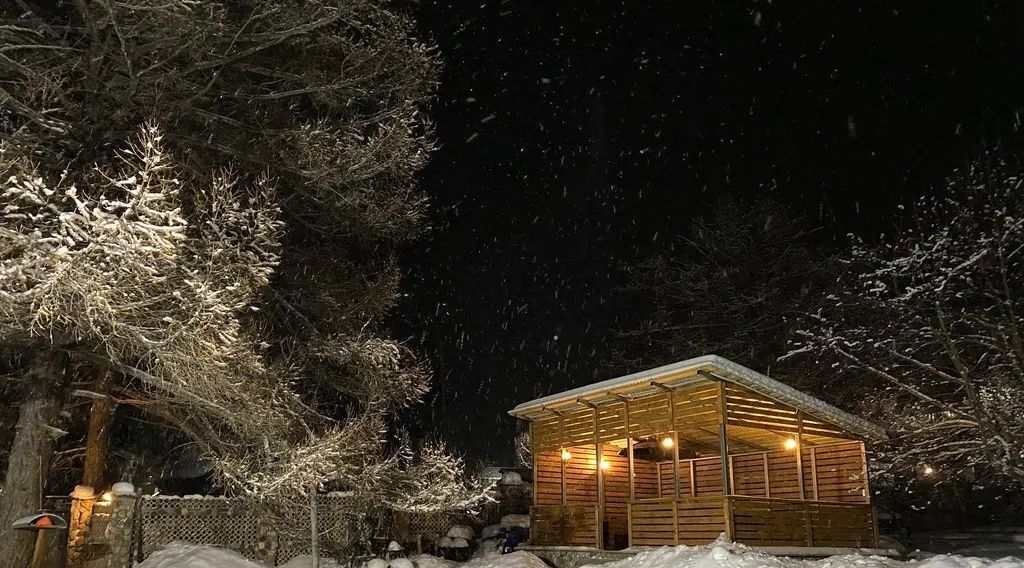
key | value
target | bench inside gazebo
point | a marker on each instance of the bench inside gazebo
(638, 461)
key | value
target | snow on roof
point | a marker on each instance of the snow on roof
(726, 370)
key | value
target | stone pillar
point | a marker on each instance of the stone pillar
(83, 498)
(119, 530)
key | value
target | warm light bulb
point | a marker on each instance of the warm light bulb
(605, 464)
(566, 455)
(789, 444)
(928, 470)
(667, 443)
(106, 498)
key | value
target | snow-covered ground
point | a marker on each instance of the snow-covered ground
(721, 554)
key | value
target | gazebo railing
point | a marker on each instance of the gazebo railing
(758, 521)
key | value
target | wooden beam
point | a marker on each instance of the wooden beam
(767, 477)
(693, 479)
(800, 455)
(740, 441)
(723, 440)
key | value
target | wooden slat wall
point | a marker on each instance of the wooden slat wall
(747, 408)
(840, 472)
(839, 469)
(548, 478)
(571, 525)
(755, 419)
(777, 522)
(695, 406)
(580, 476)
(701, 520)
(616, 492)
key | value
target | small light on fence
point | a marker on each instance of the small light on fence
(667, 443)
(566, 456)
(106, 498)
(789, 444)
(927, 470)
(605, 464)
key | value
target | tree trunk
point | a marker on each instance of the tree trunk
(97, 442)
(28, 465)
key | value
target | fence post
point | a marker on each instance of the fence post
(119, 530)
(266, 547)
(808, 525)
(82, 500)
(730, 522)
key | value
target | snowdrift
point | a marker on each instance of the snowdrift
(721, 554)
(725, 554)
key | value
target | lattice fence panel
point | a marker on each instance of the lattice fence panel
(246, 526)
(336, 525)
(227, 523)
(435, 525)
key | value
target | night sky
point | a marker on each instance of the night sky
(576, 137)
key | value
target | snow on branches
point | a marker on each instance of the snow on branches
(436, 480)
(932, 317)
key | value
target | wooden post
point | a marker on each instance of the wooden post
(533, 462)
(814, 472)
(800, 454)
(767, 477)
(808, 525)
(867, 494)
(671, 399)
(730, 524)
(693, 479)
(629, 461)
(675, 519)
(864, 463)
(314, 530)
(732, 474)
(598, 458)
(723, 441)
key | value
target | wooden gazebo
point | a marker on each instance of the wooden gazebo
(638, 460)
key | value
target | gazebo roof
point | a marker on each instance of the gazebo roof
(690, 371)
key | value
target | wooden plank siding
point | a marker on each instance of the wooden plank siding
(814, 495)
(837, 470)
(760, 521)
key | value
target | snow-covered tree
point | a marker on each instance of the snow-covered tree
(106, 265)
(301, 112)
(731, 286)
(929, 323)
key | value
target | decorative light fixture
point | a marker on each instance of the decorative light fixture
(927, 470)
(566, 456)
(605, 464)
(789, 444)
(667, 443)
(106, 498)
